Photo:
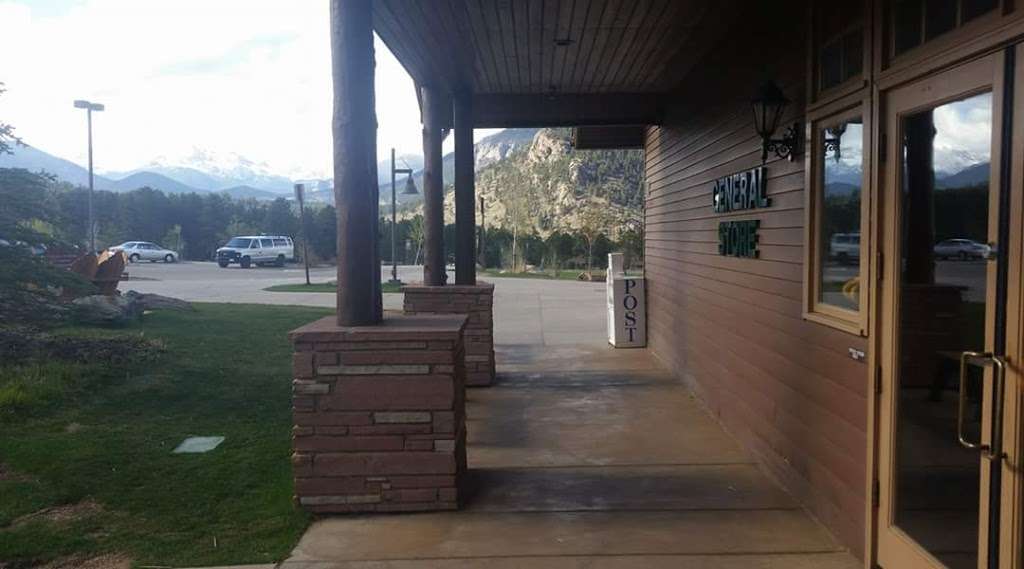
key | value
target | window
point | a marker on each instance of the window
(915, 22)
(839, 42)
(267, 243)
(280, 242)
(836, 214)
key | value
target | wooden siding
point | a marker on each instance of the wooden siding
(733, 329)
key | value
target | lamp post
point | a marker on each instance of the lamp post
(89, 108)
(410, 190)
(300, 196)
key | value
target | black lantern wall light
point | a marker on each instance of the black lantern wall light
(769, 104)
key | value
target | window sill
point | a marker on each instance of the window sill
(841, 320)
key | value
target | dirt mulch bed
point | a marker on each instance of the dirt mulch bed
(64, 513)
(24, 345)
(109, 561)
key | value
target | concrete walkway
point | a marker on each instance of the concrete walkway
(584, 457)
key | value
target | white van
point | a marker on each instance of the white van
(248, 250)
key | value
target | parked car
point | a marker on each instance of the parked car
(37, 249)
(146, 251)
(962, 249)
(259, 250)
(845, 248)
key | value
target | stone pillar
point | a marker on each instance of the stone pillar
(379, 415)
(465, 191)
(354, 129)
(477, 302)
(433, 189)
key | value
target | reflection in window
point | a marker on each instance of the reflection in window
(943, 293)
(839, 214)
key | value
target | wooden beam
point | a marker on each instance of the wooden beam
(465, 192)
(608, 137)
(517, 111)
(354, 130)
(433, 188)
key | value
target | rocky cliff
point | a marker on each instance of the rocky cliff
(546, 186)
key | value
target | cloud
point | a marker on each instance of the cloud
(245, 76)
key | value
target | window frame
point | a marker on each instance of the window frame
(847, 320)
(818, 96)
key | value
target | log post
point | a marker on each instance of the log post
(433, 190)
(354, 129)
(465, 192)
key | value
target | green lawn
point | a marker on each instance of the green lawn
(105, 438)
(325, 287)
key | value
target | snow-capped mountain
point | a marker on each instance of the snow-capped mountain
(211, 170)
(949, 161)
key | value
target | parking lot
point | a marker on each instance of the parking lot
(526, 311)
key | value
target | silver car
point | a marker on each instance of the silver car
(146, 251)
(962, 249)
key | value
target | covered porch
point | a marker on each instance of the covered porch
(584, 457)
(575, 455)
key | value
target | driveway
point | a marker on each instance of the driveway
(530, 311)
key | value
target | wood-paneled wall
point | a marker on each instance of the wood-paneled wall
(732, 328)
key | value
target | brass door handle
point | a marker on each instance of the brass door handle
(995, 449)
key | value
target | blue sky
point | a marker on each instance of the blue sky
(250, 77)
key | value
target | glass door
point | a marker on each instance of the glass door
(943, 314)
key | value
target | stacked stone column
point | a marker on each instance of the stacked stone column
(379, 415)
(475, 301)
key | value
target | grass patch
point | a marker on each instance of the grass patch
(101, 434)
(563, 275)
(325, 287)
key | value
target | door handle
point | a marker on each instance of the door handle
(995, 449)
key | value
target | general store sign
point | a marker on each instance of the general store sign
(740, 192)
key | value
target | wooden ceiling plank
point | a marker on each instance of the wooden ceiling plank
(608, 34)
(482, 79)
(580, 14)
(395, 37)
(468, 56)
(586, 44)
(704, 37)
(478, 26)
(633, 41)
(446, 46)
(521, 31)
(506, 27)
(437, 70)
(620, 41)
(668, 27)
(535, 17)
(564, 30)
(680, 28)
(549, 23)
(489, 11)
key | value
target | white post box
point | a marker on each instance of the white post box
(627, 316)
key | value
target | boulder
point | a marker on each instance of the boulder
(158, 302)
(101, 309)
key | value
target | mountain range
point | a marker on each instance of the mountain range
(204, 171)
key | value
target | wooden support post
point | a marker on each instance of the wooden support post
(355, 162)
(465, 192)
(433, 190)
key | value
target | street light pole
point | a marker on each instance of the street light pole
(410, 189)
(300, 195)
(89, 108)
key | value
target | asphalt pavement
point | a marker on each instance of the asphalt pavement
(526, 311)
